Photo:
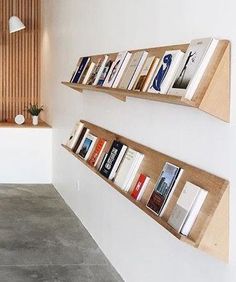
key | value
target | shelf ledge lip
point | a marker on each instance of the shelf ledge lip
(27, 124)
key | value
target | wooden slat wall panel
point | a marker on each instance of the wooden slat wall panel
(19, 58)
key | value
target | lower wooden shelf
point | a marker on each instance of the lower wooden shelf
(210, 231)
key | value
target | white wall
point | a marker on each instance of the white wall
(26, 155)
(138, 247)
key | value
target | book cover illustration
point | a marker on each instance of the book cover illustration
(97, 152)
(85, 147)
(104, 73)
(163, 187)
(166, 71)
(193, 66)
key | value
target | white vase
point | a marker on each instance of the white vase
(35, 120)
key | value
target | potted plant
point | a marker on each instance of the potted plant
(35, 110)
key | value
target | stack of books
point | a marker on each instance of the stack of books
(175, 73)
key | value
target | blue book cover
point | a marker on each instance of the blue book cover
(81, 68)
(104, 73)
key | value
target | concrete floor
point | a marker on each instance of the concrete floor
(42, 240)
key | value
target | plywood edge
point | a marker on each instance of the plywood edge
(216, 238)
(216, 100)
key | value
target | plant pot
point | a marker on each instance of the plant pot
(35, 120)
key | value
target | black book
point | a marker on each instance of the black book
(84, 130)
(113, 159)
(82, 66)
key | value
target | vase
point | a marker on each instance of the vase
(35, 120)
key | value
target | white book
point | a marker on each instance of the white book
(150, 74)
(121, 71)
(118, 161)
(183, 206)
(143, 74)
(192, 216)
(88, 73)
(133, 68)
(101, 68)
(117, 68)
(75, 135)
(133, 172)
(193, 66)
(87, 146)
(138, 70)
(82, 141)
(166, 71)
(128, 168)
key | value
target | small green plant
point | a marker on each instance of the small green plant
(34, 110)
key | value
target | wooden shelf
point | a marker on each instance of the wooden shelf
(27, 124)
(211, 96)
(208, 233)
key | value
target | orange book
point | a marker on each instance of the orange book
(97, 152)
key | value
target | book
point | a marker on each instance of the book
(193, 66)
(87, 146)
(140, 187)
(164, 74)
(113, 159)
(128, 169)
(82, 139)
(163, 188)
(71, 143)
(143, 74)
(100, 146)
(150, 74)
(117, 69)
(100, 70)
(81, 136)
(85, 78)
(96, 73)
(192, 216)
(83, 62)
(187, 208)
(102, 161)
(104, 73)
(73, 74)
(133, 69)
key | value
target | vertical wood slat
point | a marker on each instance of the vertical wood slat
(19, 57)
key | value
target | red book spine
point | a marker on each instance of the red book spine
(138, 186)
(96, 152)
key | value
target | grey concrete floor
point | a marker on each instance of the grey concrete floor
(42, 240)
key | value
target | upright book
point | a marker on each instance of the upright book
(166, 71)
(83, 62)
(100, 146)
(128, 169)
(193, 66)
(104, 73)
(143, 74)
(187, 208)
(74, 136)
(117, 69)
(164, 188)
(150, 74)
(140, 187)
(113, 159)
(95, 75)
(86, 75)
(81, 140)
(87, 146)
(133, 69)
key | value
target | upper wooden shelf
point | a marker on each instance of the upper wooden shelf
(211, 96)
